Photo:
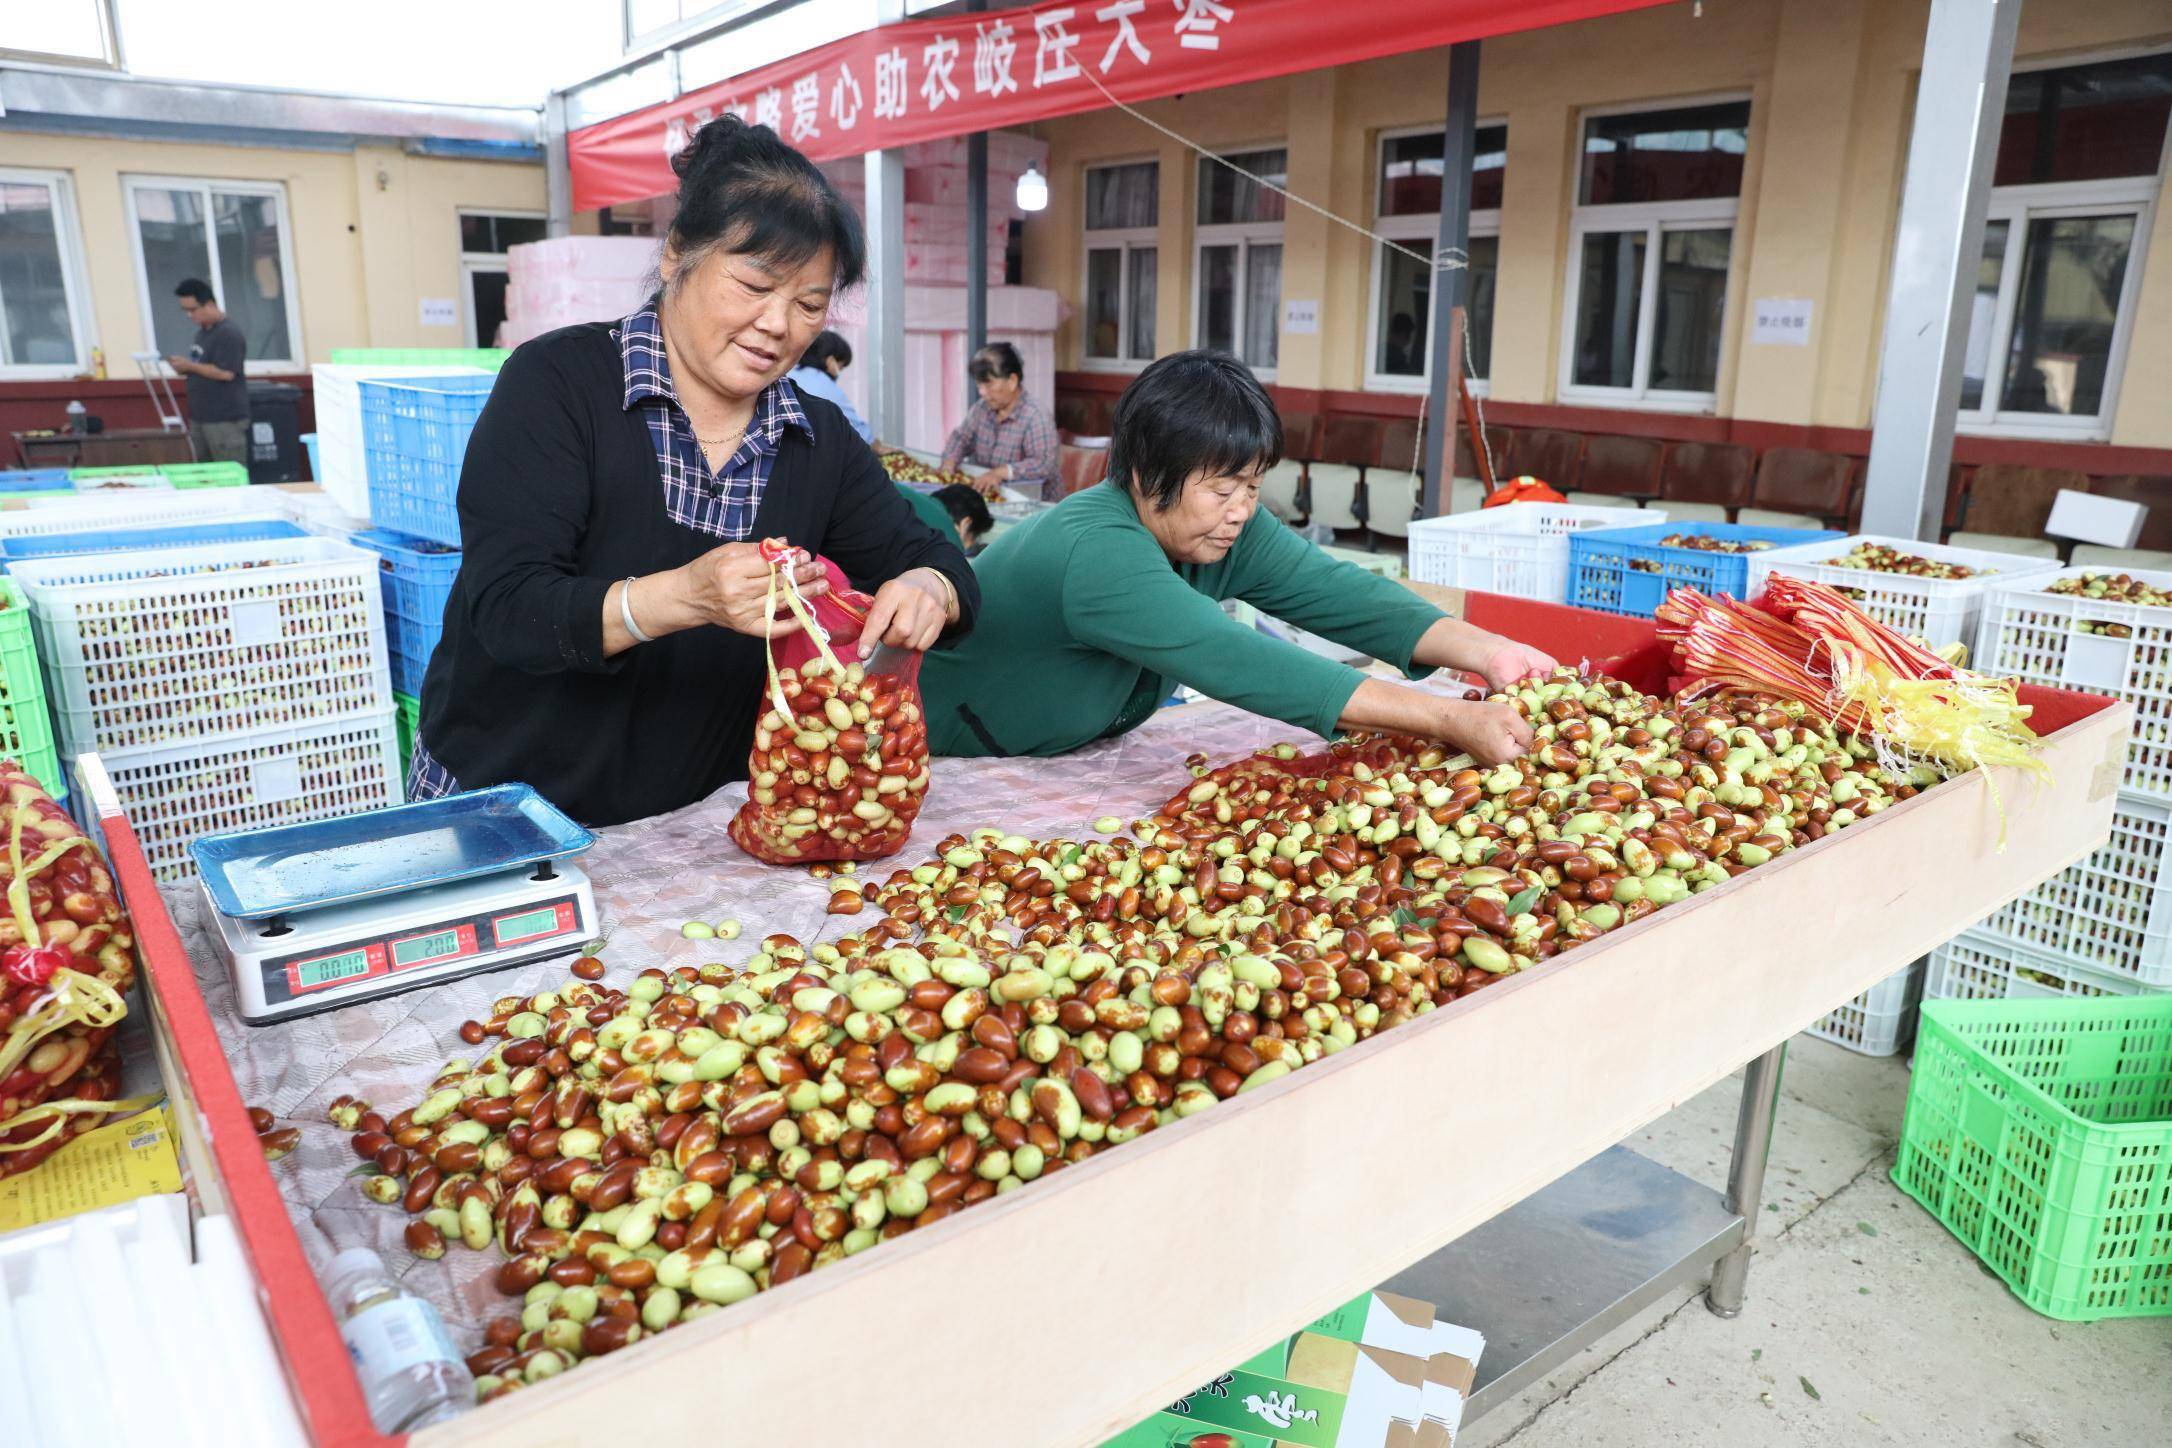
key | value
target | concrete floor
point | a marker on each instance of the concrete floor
(1866, 1322)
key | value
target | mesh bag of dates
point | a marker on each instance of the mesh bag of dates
(67, 957)
(840, 760)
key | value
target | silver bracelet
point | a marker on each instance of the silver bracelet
(625, 612)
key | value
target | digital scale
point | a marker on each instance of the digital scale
(312, 917)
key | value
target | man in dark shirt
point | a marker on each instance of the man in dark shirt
(218, 394)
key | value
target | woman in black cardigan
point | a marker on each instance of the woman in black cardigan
(603, 641)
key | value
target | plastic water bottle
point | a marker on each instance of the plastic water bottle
(78, 417)
(410, 1372)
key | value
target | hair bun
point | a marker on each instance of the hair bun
(718, 142)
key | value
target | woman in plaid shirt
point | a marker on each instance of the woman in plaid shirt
(1007, 435)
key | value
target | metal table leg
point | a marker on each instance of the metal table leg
(1746, 1176)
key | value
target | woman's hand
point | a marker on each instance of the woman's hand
(987, 483)
(1488, 733)
(729, 586)
(1511, 663)
(910, 612)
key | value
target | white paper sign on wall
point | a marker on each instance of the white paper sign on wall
(1782, 322)
(1301, 317)
(440, 312)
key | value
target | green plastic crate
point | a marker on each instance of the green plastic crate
(407, 716)
(26, 726)
(488, 358)
(2040, 1133)
(206, 475)
(131, 470)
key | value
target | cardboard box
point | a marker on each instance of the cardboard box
(1378, 1372)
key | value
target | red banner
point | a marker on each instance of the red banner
(924, 80)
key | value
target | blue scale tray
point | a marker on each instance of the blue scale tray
(255, 874)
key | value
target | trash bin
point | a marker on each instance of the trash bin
(275, 433)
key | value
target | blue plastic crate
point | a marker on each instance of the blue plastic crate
(35, 480)
(1602, 574)
(133, 540)
(414, 435)
(417, 579)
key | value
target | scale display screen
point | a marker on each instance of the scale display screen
(530, 924)
(441, 946)
(312, 973)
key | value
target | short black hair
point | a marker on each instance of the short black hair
(741, 187)
(196, 289)
(964, 504)
(997, 359)
(1191, 412)
(826, 345)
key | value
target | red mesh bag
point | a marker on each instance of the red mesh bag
(840, 760)
(93, 1093)
(67, 957)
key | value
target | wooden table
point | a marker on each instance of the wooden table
(114, 448)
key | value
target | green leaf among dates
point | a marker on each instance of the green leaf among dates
(956, 913)
(1522, 902)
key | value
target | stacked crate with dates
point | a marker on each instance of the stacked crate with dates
(1936, 593)
(2103, 926)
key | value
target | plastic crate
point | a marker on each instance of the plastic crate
(140, 648)
(75, 513)
(138, 540)
(490, 359)
(1975, 967)
(1880, 1020)
(2112, 912)
(26, 727)
(2040, 1134)
(175, 793)
(418, 578)
(2037, 637)
(96, 481)
(342, 463)
(407, 714)
(1520, 549)
(34, 480)
(415, 433)
(1626, 570)
(206, 475)
(1940, 610)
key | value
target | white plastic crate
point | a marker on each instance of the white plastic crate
(337, 388)
(77, 513)
(140, 648)
(1940, 610)
(2039, 637)
(178, 792)
(2112, 912)
(1972, 967)
(1881, 1020)
(1520, 549)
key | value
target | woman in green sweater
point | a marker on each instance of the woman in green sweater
(1093, 611)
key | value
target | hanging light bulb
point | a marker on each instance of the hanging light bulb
(1032, 189)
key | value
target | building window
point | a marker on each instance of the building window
(485, 237)
(1651, 240)
(1123, 206)
(1237, 271)
(2073, 187)
(65, 32)
(44, 303)
(1408, 213)
(232, 234)
(490, 233)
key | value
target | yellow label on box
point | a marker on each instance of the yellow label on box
(117, 1162)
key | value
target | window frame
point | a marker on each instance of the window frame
(74, 276)
(1244, 235)
(1123, 240)
(2018, 206)
(1407, 228)
(1655, 219)
(472, 262)
(134, 183)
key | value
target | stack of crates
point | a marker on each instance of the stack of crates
(224, 684)
(183, 476)
(33, 483)
(415, 433)
(2102, 927)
